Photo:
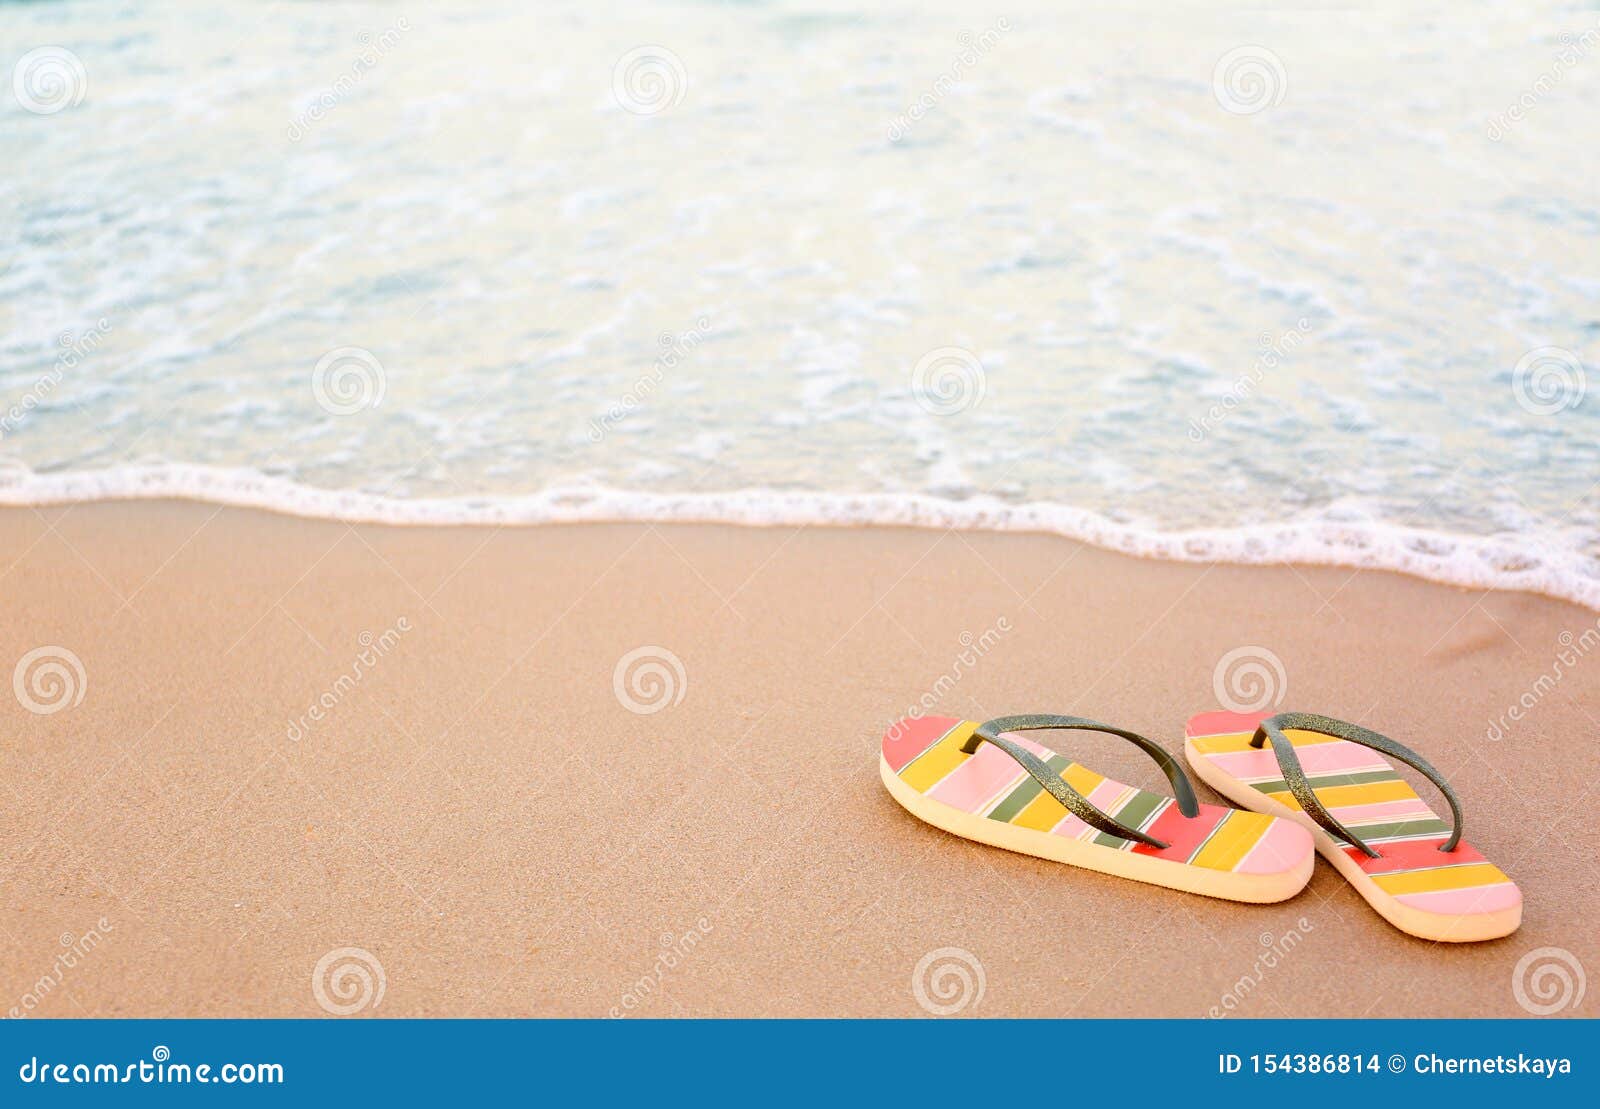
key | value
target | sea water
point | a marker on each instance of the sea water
(1195, 284)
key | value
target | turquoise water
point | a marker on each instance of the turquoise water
(1202, 284)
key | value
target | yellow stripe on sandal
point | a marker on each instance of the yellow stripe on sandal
(990, 784)
(1333, 778)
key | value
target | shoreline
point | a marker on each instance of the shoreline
(506, 764)
(1528, 564)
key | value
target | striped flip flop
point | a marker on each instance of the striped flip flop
(986, 783)
(1332, 777)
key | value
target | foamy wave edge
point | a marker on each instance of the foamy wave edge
(1529, 563)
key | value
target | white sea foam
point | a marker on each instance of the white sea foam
(1207, 364)
(1520, 561)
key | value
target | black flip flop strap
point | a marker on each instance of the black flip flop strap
(1295, 777)
(1073, 801)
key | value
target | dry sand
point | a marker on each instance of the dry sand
(480, 813)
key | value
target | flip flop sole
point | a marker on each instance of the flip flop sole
(1458, 898)
(988, 798)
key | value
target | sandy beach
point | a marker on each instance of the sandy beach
(290, 739)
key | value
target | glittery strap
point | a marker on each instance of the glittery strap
(1074, 802)
(1288, 762)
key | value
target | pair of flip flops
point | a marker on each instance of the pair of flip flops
(1305, 784)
